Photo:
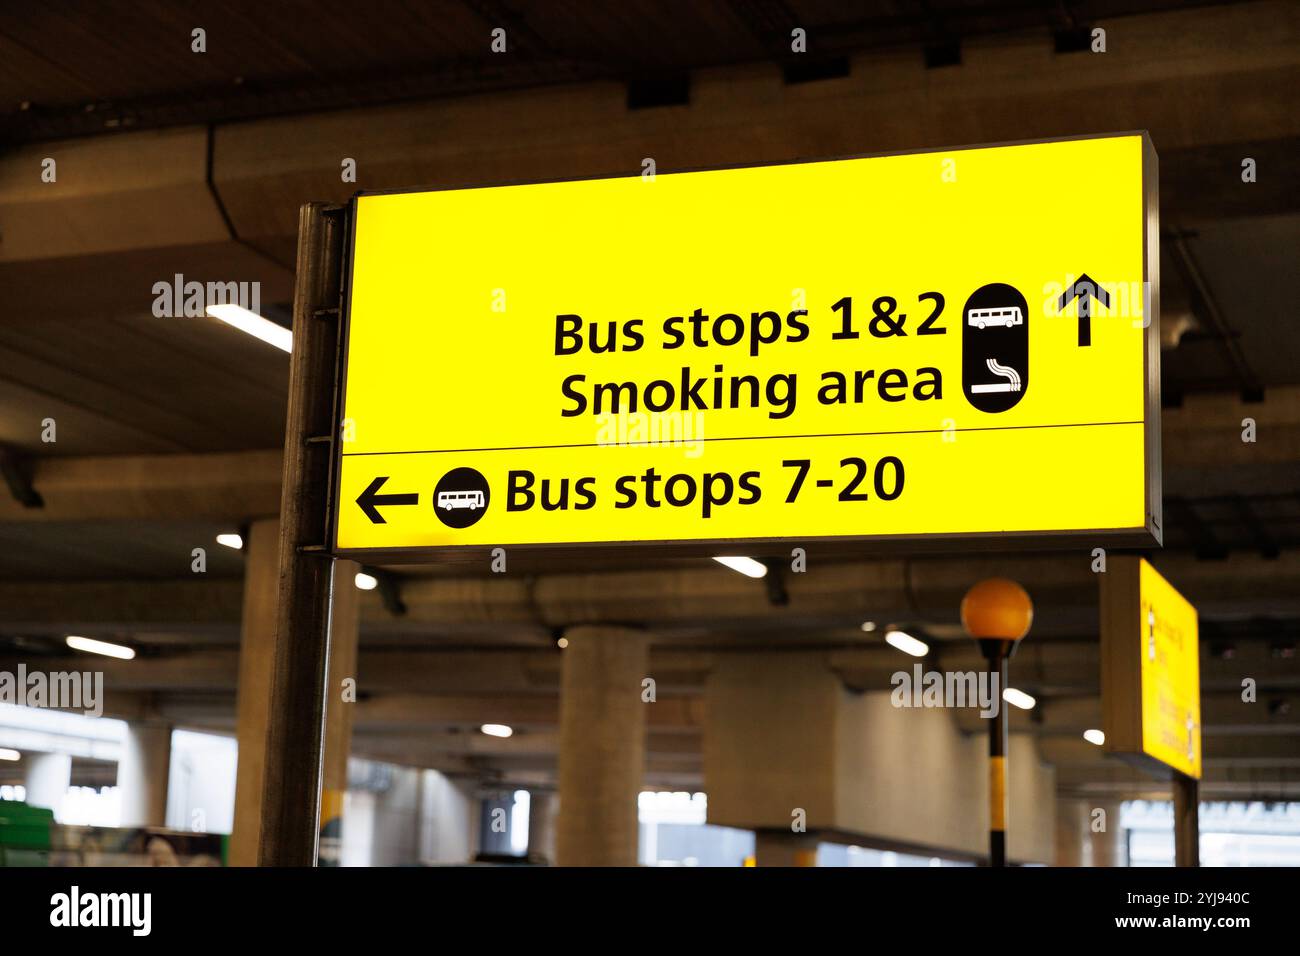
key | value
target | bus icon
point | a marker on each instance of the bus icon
(982, 318)
(455, 500)
(461, 498)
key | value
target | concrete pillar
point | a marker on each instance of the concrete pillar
(395, 838)
(1104, 846)
(345, 617)
(1088, 833)
(142, 773)
(253, 697)
(46, 780)
(602, 746)
(541, 826)
(1069, 832)
(782, 848)
(448, 820)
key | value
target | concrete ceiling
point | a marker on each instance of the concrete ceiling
(81, 67)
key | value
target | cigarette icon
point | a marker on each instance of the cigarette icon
(1003, 371)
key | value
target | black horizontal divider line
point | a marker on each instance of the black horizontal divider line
(682, 441)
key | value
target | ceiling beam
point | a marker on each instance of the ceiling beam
(679, 713)
(114, 607)
(1118, 781)
(228, 209)
(233, 487)
(929, 588)
(1272, 714)
(1065, 674)
(1276, 753)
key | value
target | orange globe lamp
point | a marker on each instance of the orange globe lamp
(997, 609)
(997, 613)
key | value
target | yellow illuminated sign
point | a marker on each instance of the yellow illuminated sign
(1151, 684)
(1171, 675)
(941, 343)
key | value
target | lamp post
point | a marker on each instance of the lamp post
(997, 613)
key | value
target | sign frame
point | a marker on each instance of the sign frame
(1120, 613)
(1145, 536)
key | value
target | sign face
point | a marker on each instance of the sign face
(1151, 682)
(945, 344)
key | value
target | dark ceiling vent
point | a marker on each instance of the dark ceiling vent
(943, 54)
(649, 92)
(810, 71)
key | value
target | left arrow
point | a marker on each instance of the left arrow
(370, 499)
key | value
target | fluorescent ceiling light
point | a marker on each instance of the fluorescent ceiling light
(868, 626)
(7, 754)
(907, 643)
(231, 541)
(1094, 737)
(254, 324)
(366, 582)
(746, 566)
(1018, 698)
(497, 730)
(93, 646)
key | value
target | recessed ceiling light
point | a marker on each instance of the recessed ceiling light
(92, 646)
(1018, 698)
(746, 566)
(497, 730)
(254, 324)
(907, 643)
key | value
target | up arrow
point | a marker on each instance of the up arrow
(370, 498)
(1085, 290)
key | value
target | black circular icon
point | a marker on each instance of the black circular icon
(461, 497)
(995, 347)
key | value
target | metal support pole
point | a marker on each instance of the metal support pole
(996, 653)
(1187, 821)
(296, 726)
